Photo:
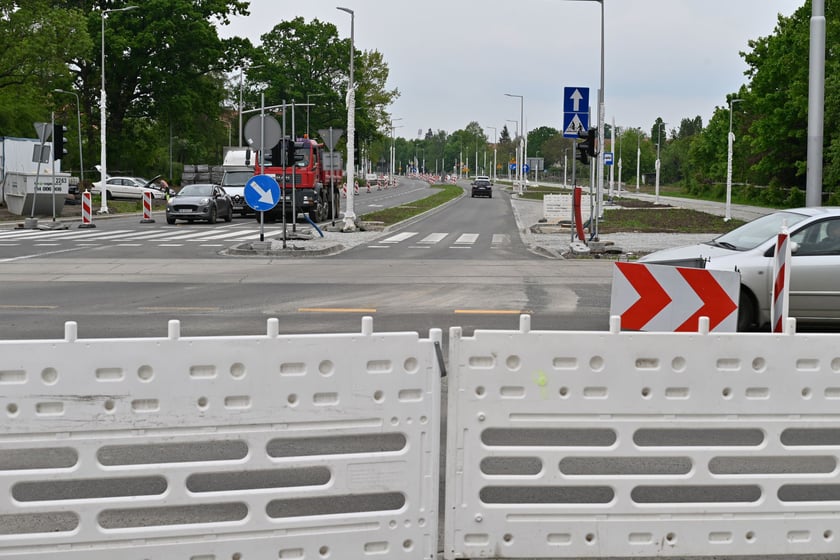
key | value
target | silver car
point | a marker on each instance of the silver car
(814, 271)
(199, 202)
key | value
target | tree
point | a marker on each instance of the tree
(37, 39)
(300, 59)
(165, 67)
(538, 137)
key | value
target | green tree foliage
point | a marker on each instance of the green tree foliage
(37, 38)
(538, 137)
(302, 59)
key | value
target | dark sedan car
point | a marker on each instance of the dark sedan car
(482, 187)
(199, 202)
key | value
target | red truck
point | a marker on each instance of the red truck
(312, 186)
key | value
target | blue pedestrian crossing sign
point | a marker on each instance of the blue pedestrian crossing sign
(262, 192)
(575, 111)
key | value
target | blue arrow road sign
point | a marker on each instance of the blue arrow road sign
(262, 192)
(575, 111)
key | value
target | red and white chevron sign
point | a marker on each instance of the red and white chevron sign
(651, 297)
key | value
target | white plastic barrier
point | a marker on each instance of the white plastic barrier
(617, 444)
(305, 446)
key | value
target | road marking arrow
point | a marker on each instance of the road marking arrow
(717, 305)
(652, 297)
(265, 195)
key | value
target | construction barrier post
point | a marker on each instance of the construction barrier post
(87, 221)
(147, 208)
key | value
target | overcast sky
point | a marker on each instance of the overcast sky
(454, 60)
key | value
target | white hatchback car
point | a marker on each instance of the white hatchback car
(127, 187)
(749, 249)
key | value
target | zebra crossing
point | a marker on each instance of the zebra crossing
(418, 240)
(130, 237)
(217, 236)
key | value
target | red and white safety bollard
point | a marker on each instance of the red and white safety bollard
(87, 221)
(344, 191)
(356, 187)
(147, 208)
(781, 282)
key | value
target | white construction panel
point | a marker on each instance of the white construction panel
(611, 444)
(299, 446)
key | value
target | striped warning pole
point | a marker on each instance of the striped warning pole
(87, 221)
(147, 208)
(781, 282)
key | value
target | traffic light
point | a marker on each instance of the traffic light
(290, 152)
(592, 142)
(588, 147)
(59, 149)
(583, 148)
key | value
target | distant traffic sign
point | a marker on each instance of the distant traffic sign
(575, 111)
(262, 192)
(608, 158)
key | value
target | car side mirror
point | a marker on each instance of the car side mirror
(794, 247)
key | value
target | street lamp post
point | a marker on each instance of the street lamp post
(658, 164)
(495, 134)
(79, 126)
(103, 112)
(350, 212)
(601, 108)
(241, 83)
(520, 156)
(393, 152)
(730, 138)
(515, 134)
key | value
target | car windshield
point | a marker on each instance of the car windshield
(196, 190)
(236, 178)
(756, 232)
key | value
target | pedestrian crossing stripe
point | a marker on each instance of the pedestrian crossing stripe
(170, 237)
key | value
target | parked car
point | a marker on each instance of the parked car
(128, 187)
(482, 187)
(814, 270)
(199, 202)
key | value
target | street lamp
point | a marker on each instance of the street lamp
(730, 141)
(393, 152)
(599, 197)
(79, 126)
(495, 134)
(658, 144)
(102, 114)
(241, 82)
(520, 156)
(350, 212)
(515, 134)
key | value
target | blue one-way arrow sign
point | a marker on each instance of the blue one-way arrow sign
(262, 192)
(575, 111)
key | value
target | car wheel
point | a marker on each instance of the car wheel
(109, 195)
(229, 217)
(747, 311)
(212, 218)
(170, 221)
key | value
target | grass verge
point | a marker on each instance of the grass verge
(391, 216)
